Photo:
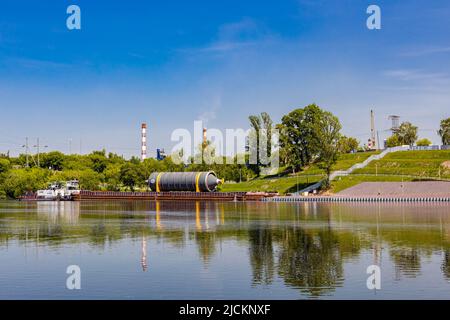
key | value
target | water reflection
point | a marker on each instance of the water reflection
(304, 245)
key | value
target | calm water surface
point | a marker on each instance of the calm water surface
(143, 250)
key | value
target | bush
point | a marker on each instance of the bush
(423, 143)
(19, 181)
(5, 164)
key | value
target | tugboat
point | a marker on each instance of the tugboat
(59, 191)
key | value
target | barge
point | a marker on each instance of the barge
(165, 186)
(171, 196)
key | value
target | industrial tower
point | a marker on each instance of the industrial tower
(395, 123)
(372, 143)
(143, 141)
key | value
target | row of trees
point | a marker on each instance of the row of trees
(96, 171)
(406, 134)
(307, 135)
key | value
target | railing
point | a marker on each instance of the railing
(429, 148)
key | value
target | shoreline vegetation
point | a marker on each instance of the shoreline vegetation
(311, 146)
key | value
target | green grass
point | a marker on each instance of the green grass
(415, 163)
(272, 184)
(399, 166)
(292, 183)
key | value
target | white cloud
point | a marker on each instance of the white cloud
(211, 110)
(414, 74)
(425, 51)
(234, 36)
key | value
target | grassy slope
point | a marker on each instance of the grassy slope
(399, 166)
(292, 183)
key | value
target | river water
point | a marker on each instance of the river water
(166, 250)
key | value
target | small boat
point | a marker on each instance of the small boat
(59, 191)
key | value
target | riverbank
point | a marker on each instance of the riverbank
(395, 167)
(289, 183)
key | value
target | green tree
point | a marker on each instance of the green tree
(112, 177)
(393, 141)
(19, 181)
(423, 142)
(99, 161)
(444, 131)
(268, 130)
(301, 137)
(129, 175)
(53, 160)
(297, 136)
(255, 123)
(5, 164)
(407, 133)
(88, 178)
(327, 132)
(347, 144)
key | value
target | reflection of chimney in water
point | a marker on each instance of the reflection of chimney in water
(144, 254)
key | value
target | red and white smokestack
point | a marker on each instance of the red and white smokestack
(143, 141)
(204, 137)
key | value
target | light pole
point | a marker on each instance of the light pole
(38, 146)
(26, 152)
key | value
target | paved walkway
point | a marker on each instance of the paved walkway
(399, 189)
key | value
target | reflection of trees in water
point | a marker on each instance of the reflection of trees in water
(311, 262)
(406, 261)
(206, 242)
(310, 259)
(445, 267)
(98, 234)
(261, 255)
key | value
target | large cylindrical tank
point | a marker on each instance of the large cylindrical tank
(183, 181)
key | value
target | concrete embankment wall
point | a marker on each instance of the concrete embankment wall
(399, 189)
(428, 191)
(356, 199)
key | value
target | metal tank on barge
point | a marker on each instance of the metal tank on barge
(184, 181)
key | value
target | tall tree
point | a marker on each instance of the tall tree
(267, 126)
(255, 122)
(328, 135)
(444, 131)
(298, 135)
(262, 131)
(406, 133)
(347, 144)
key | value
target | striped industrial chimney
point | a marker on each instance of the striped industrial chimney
(204, 140)
(143, 141)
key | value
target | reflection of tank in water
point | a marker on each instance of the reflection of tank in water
(184, 181)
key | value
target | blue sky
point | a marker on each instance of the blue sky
(169, 63)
